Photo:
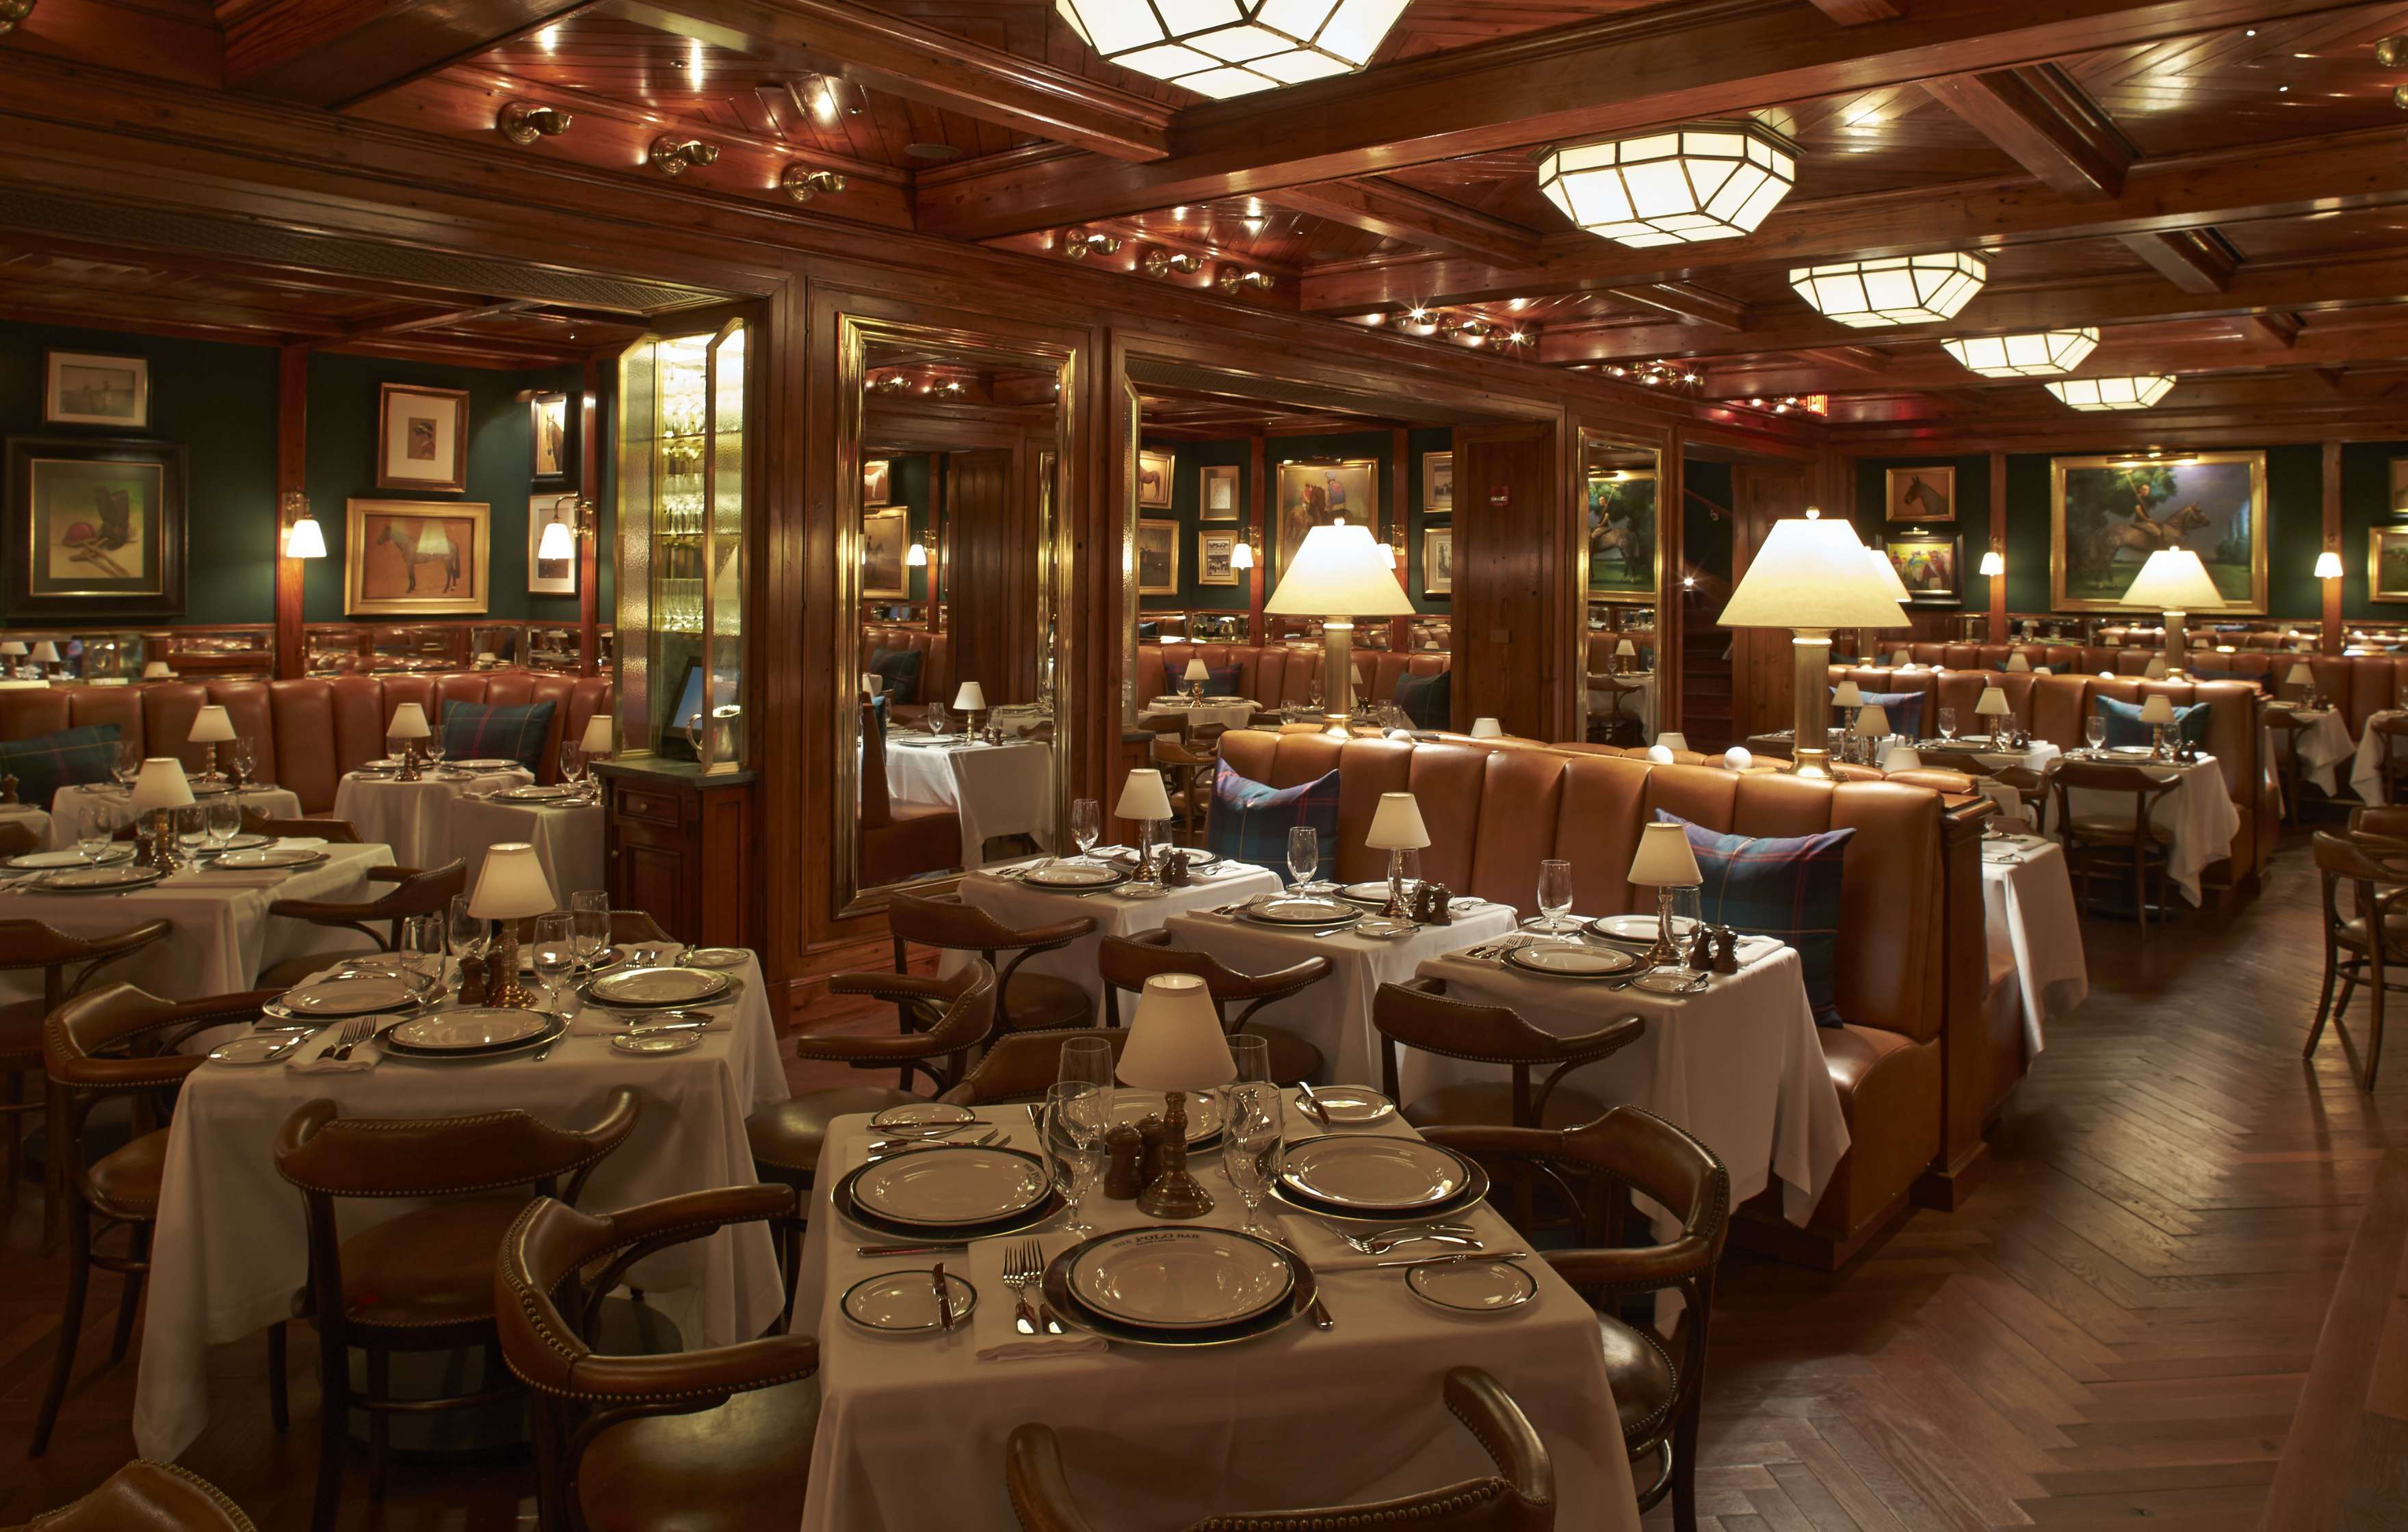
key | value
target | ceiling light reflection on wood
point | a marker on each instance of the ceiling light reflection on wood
(1892, 289)
(1231, 48)
(1711, 180)
(2046, 353)
(2095, 393)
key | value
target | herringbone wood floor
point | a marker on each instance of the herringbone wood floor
(2115, 1328)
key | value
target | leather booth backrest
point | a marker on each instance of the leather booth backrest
(1279, 675)
(936, 670)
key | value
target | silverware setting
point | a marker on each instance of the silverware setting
(354, 1034)
(1319, 1314)
(887, 1148)
(910, 1250)
(1313, 1105)
(1454, 1260)
(1024, 1267)
(1385, 1243)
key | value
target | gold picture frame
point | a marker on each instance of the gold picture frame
(421, 438)
(2391, 540)
(1218, 495)
(2107, 514)
(1438, 483)
(1214, 551)
(1154, 471)
(417, 558)
(877, 482)
(1315, 491)
(1438, 561)
(1923, 491)
(1157, 558)
(886, 545)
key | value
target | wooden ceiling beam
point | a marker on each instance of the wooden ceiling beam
(333, 56)
(1694, 304)
(2273, 332)
(2045, 123)
(1857, 12)
(1634, 70)
(2195, 260)
(1391, 209)
(406, 325)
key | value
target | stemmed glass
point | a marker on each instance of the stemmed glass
(462, 932)
(2094, 730)
(1086, 825)
(422, 956)
(572, 761)
(1947, 723)
(1252, 1147)
(555, 954)
(937, 719)
(95, 830)
(1077, 1113)
(433, 747)
(128, 765)
(1303, 856)
(589, 910)
(221, 821)
(1087, 1060)
(1554, 894)
(245, 759)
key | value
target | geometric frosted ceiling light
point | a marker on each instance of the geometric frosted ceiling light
(1892, 289)
(1708, 180)
(2112, 393)
(1229, 47)
(2042, 355)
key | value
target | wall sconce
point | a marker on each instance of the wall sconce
(889, 383)
(1992, 565)
(1079, 244)
(2328, 564)
(14, 12)
(525, 121)
(2391, 52)
(303, 537)
(921, 552)
(951, 388)
(1243, 556)
(671, 155)
(561, 535)
(1234, 280)
(802, 183)
(1162, 265)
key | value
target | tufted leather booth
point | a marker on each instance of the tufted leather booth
(307, 732)
(936, 668)
(1909, 911)
(1274, 675)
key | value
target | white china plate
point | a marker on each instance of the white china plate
(256, 1048)
(941, 1186)
(923, 1114)
(1374, 1172)
(1639, 927)
(1669, 981)
(347, 997)
(1380, 925)
(537, 794)
(716, 957)
(1563, 959)
(475, 1026)
(658, 987)
(1196, 857)
(1376, 893)
(1066, 875)
(905, 1302)
(1350, 1106)
(248, 841)
(40, 861)
(1474, 1287)
(272, 856)
(655, 1042)
(100, 879)
(1291, 909)
(488, 762)
(1203, 1110)
(1181, 1279)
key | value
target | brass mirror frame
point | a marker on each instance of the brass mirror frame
(1642, 440)
(856, 335)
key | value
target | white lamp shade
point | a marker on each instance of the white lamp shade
(1739, 758)
(1488, 728)
(1664, 859)
(916, 556)
(1847, 695)
(1143, 797)
(305, 540)
(2017, 663)
(1195, 671)
(1810, 574)
(1396, 824)
(2158, 708)
(873, 682)
(1873, 722)
(1886, 573)
(161, 784)
(2328, 564)
(1902, 659)
(155, 671)
(1243, 556)
(558, 542)
(409, 721)
(2300, 676)
(2156, 668)
(1674, 739)
(1626, 650)
(2097, 393)
(13, 648)
(1892, 289)
(2042, 671)
(212, 727)
(970, 697)
(1993, 565)
(1230, 48)
(2046, 353)
(512, 886)
(1902, 758)
(2173, 579)
(1992, 704)
(1337, 572)
(1707, 180)
(46, 652)
(596, 740)
(1175, 1042)
(1660, 754)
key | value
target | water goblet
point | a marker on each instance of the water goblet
(1252, 1148)
(937, 719)
(555, 953)
(1554, 894)
(1947, 723)
(128, 763)
(95, 830)
(422, 956)
(462, 932)
(2094, 731)
(1087, 1060)
(1077, 1114)
(572, 761)
(589, 910)
(1086, 825)
(221, 821)
(1303, 856)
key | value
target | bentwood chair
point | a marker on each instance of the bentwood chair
(1126, 962)
(1190, 770)
(786, 1138)
(1019, 1068)
(1519, 1497)
(2364, 941)
(1587, 1174)
(423, 1280)
(146, 1496)
(117, 1042)
(2392, 728)
(2119, 842)
(712, 1441)
(2380, 824)
(1419, 1015)
(1025, 1002)
(334, 832)
(413, 892)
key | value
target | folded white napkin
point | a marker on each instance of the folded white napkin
(991, 1324)
(307, 1059)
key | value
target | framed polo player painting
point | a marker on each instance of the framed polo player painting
(1622, 534)
(2108, 515)
(415, 558)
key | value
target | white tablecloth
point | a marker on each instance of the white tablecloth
(2322, 746)
(568, 839)
(1228, 712)
(415, 817)
(1637, 704)
(26, 814)
(223, 934)
(1740, 1065)
(1019, 719)
(230, 1247)
(996, 789)
(74, 804)
(2028, 906)
(2366, 769)
(1335, 1015)
(1021, 907)
(911, 1433)
(2198, 818)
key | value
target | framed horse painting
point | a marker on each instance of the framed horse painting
(415, 558)
(421, 438)
(2108, 515)
(1926, 492)
(1622, 535)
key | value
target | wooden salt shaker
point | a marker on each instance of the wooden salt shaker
(472, 981)
(1124, 1173)
(1725, 949)
(1701, 958)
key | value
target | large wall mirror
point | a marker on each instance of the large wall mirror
(1622, 578)
(950, 729)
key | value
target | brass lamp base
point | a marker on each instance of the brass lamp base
(1666, 951)
(1174, 1193)
(1809, 651)
(503, 964)
(1397, 908)
(409, 773)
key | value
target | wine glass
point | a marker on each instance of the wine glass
(128, 765)
(572, 761)
(191, 835)
(589, 910)
(937, 719)
(1947, 723)
(1251, 1055)
(422, 956)
(1252, 1147)
(1086, 825)
(246, 758)
(1087, 1060)
(221, 821)
(2094, 730)
(95, 830)
(462, 932)
(1555, 893)
(555, 953)
(434, 749)
(1303, 856)
(1076, 1116)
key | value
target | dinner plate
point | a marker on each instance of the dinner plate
(1637, 927)
(1074, 875)
(904, 1303)
(251, 1048)
(542, 1039)
(2131, 750)
(489, 762)
(658, 986)
(923, 1114)
(347, 997)
(1203, 1110)
(1196, 856)
(1381, 927)
(1181, 1279)
(472, 1029)
(1057, 1288)
(271, 856)
(1376, 893)
(250, 840)
(1474, 1287)
(43, 861)
(109, 878)
(655, 1042)
(944, 1185)
(539, 794)
(1349, 1105)
(1302, 909)
(716, 957)
(1671, 981)
(1386, 1174)
(1565, 960)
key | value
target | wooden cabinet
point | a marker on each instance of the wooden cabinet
(680, 849)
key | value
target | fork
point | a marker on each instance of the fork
(1035, 1254)
(352, 1033)
(1017, 1275)
(1380, 1244)
(359, 1032)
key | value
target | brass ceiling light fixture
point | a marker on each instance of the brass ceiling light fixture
(802, 183)
(1079, 244)
(1707, 180)
(1229, 47)
(1162, 265)
(672, 155)
(12, 13)
(889, 383)
(1237, 280)
(525, 121)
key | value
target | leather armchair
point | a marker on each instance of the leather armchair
(1026, 1002)
(427, 893)
(146, 1496)
(1419, 1015)
(1126, 962)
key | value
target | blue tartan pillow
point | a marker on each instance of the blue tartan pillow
(475, 729)
(1777, 886)
(1905, 709)
(1427, 700)
(901, 669)
(49, 762)
(1250, 821)
(1224, 680)
(2124, 725)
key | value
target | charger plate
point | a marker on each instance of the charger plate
(257, 857)
(340, 998)
(1070, 875)
(1301, 910)
(1375, 1175)
(1058, 1292)
(1637, 927)
(1472, 1195)
(472, 1029)
(1181, 1279)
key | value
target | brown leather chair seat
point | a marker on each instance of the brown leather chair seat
(1037, 1002)
(787, 1137)
(431, 1265)
(20, 1030)
(729, 1469)
(1641, 1374)
(1492, 1101)
(127, 1179)
(918, 837)
(2353, 930)
(2114, 829)
(146, 1496)
(1291, 1057)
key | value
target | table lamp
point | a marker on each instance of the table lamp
(1624, 652)
(12, 655)
(1873, 723)
(155, 671)
(1196, 675)
(2156, 669)
(1665, 862)
(2306, 680)
(1397, 828)
(1848, 696)
(1175, 1045)
(46, 654)
(1900, 659)
(1995, 707)
(2157, 712)
(596, 740)
(2017, 663)
(969, 700)
(1902, 758)
(1488, 728)
(409, 725)
(2176, 583)
(1144, 802)
(1810, 576)
(510, 888)
(1674, 739)
(160, 788)
(211, 728)
(1337, 574)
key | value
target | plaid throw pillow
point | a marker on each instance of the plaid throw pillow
(2124, 725)
(1427, 700)
(1250, 821)
(475, 729)
(1777, 886)
(49, 762)
(901, 668)
(1224, 680)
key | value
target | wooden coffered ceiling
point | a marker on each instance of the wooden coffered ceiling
(2220, 185)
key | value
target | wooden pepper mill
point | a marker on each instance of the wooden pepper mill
(1177, 871)
(472, 981)
(1725, 949)
(1700, 958)
(1124, 1170)
(1155, 1134)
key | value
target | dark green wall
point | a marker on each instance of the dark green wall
(1419, 443)
(1972, 506)
(2365, 505)
(1705, 538)
(1189, 460)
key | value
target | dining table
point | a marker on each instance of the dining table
(414, 817)
(2034, 932)
(997, 790)
(2196, 819)
(230, 1250)
(1226, 712)
(2318, 739)
(73, 805)
(566, 833)
(1157, 1438)
(1001, 891)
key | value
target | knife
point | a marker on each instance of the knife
(945, 1300)
(1312, 1103)
(910, 1250)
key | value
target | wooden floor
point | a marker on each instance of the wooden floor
(2116, 1328)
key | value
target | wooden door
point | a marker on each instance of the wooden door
(1762, 675)
(1512, 584)
(992, 574)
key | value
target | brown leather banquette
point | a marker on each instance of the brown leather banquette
(935, 665)
(1493, 814)
(1278, 674)
(308, 732)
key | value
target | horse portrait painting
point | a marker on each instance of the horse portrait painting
(1622, 533)
(1927, 493)
(2110, 514)
(404, 556)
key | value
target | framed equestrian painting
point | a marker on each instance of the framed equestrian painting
(1925, 493)
(413, 558)
(1622, 535)
(1438, 561)
(885, 548)
(421, 438)
(1931, 565)
(547, 437)
(2386, 563)
(1315, 494)
(1157, 558)
(96, 528)
(1154, 471)
(1214, 551)
(2108, 515)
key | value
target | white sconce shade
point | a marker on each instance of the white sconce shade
(305, 540)
(2092, 394)
(1993, 565)
(1226, 48)
(916, 556)
(511, 885)
(1175, 1040)
(1488, 728)
(1664, 859)
(2046, 353)
(1142, 796)
(161, 784)
(596, 740)
(212, 727)
(409, 721)
(1388, 554)
(2328, 564)
(558, 542)
(970, 698)
(1893, 289)
(1710, 180)
(1243, 556)
(1396, 824)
